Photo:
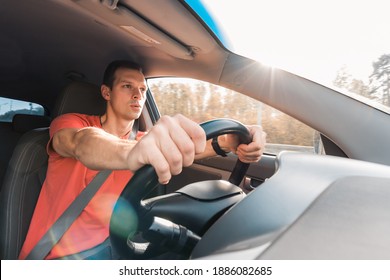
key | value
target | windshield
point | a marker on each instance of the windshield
(343, 44)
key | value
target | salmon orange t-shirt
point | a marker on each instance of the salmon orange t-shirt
(65, 179)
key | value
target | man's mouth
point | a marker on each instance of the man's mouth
(135, 105)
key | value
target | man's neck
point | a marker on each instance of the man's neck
(115, 126)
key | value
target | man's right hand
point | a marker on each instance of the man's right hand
(169, 146)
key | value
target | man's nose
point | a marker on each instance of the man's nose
(137, 94)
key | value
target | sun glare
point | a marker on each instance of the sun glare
(306, 37)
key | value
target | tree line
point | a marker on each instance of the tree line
(377, 87)
(203, 101)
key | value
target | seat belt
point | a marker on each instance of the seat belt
(58, 229)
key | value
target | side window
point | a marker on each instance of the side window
(11, 107)
(202, 101)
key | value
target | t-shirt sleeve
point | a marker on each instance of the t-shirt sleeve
(64, 121)
(140, 134)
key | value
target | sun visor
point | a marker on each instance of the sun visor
(137, 27)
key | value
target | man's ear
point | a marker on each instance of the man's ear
(105, 91)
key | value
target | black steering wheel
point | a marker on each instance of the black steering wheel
(127, 210)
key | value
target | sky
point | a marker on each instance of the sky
(308, 37)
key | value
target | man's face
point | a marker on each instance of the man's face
(128, 93)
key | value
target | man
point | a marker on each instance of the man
(81, 145)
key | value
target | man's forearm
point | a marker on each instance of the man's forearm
(99, 150)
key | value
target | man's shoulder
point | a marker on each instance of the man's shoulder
(74, 120)
(77, 117)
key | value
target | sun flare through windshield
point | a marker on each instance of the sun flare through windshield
(341, 44)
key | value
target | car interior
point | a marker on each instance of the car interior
(287, 206)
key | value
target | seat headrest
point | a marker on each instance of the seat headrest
(24, 122)
(80, 97)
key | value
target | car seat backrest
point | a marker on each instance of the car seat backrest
(27, 168)
(8, 141)
(22, 183)
(10, 134)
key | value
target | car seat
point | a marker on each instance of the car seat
(11, 133)
(27, 168)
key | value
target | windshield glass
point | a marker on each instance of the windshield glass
(342, 44)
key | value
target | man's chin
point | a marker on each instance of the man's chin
(133, 116)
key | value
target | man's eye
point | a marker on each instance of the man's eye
(127, 86)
